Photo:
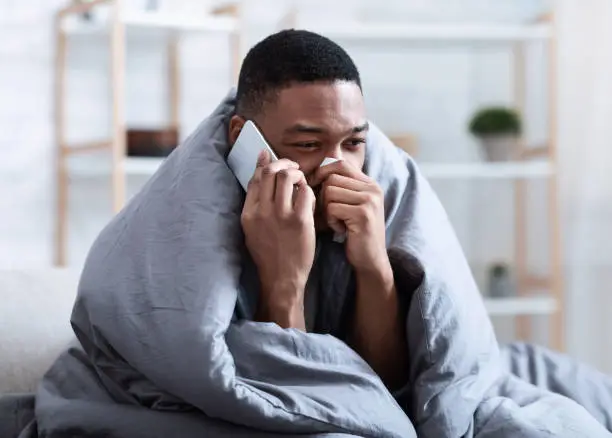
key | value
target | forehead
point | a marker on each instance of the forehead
(338, 103)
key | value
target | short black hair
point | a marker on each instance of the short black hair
(290, 57)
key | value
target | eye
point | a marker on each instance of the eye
(307, 145)
(355, 142)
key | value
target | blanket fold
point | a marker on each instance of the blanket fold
(161, 346)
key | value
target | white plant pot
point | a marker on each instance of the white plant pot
(500, 147)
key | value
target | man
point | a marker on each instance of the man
(304, 93)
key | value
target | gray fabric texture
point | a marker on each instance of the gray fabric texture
(16, 414)
(165, 349)
(563, 375)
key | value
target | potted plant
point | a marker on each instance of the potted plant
(500, 281)
(499, 130)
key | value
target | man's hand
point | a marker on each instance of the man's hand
(353, 203)
(278, 224)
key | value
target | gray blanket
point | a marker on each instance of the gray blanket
(166, 348)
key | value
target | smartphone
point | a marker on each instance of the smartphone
(242, 158)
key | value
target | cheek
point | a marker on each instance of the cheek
(308, 161)
(356, 158)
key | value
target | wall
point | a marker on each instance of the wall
(584, 137)
(25, 124)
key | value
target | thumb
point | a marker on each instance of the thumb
(263, 159)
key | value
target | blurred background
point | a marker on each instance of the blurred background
(505, 105)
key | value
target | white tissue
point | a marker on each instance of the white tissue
(328, 160)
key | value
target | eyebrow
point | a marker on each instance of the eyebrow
(309, 129)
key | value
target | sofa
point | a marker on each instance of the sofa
(34, 323)
(35, 306)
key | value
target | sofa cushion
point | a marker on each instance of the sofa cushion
(35, 307)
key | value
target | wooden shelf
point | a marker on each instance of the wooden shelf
(159, 21)
(488, 170)
(152, 21)
(533, 305)
(92, 166)
(437, 32)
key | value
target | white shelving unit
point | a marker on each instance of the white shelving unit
(534, 306)
(81, 167)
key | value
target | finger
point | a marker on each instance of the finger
(263, 162)
(343, 196)
(263, 159)
(304, 200)
(281, 164)
(346, 182)
(340, 167)
(285, 182)
(339, 214)
(268, 178)
(253, 189)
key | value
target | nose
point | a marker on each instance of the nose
(335, 152)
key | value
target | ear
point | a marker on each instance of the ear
(235, 126)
